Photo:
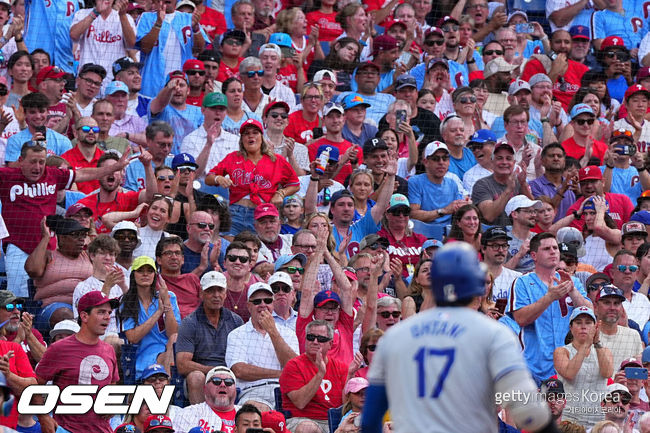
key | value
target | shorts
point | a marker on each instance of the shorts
(242, 219)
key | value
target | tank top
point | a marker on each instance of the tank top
(62, 274)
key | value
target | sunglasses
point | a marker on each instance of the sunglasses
(125, 237)
(12, 307)
(467, 99)
(320, 338)
(490, 52)
(432, 42)
(372, 347)
(163, 178)
(267, 301)
(401, 211)
(204, 225)
(186, 170)
(201, 73)
(623, 268)
(618, 398)
(620, 55)
(251, 74)
(233, 258)
(277, 288)
(166, 197)
(581, 122)
(276, 115)
(235, 42)
(450, 28)
(387, 314)
(218, 381)
(327, 196)
(376, 246)
(293, 270)
(594, 287)
(438, 158)
(34, 143)
(87, 129)
(160, 423)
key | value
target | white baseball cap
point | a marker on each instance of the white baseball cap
(433, 147)
(521, 201)
(127, 225)
(64, 326)
(280, 277)
(257, 287)
(325, 74)
(212, 279)
(271, 47)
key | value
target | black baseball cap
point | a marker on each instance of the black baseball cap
(552, 386)
(373, 144)
(91, 67)
(493, 233)
(124, 63)
(568, 250)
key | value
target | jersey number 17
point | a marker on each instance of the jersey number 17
(425, 354)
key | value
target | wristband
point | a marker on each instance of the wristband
(576, 215)
(94, 11)
(544, 120)
(560, 194)
(598, 345)
(642, 169)
(471, 61)
(313, 179)
(127, 135)
(609, 166)
(18, 40)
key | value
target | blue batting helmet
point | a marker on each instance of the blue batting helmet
(456, 273)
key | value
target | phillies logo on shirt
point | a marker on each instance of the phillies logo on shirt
(635, 180)
(637, 24)
(242, 177)
(106, 37)
(37, 190)
(646, 10)
(326, 387)
(187, 34)
(459, 79)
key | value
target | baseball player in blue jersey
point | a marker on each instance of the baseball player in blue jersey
(444, 369)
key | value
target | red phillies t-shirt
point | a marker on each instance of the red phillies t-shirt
(346, 170)
(124, 201)
(25, 203)
(12, 336)
(572, 78)
(71, 362)
(213, 22)
(19, 365)
(288, 75)
(187, 289)
(407, 250)
(195, 100)
(343, 335)
(299, 128)
(77, 161)
(226, 71)
(258, 182)
(299, 371)
(573, 150)
(227, 420)
(620, 209)
(329, 29)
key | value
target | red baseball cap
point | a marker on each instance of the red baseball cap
(476, 75)
(391, 23)
(76, 208)
(612, 41)
(251, 122)
(158, 422)
(49, 73)
(634, 89)
(265, 209)
(94, 299)
(274, 104)
(193, 64)
(591, 172)
(275, 421)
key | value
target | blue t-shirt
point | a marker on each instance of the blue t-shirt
(286, 229)
(231, 126)
(631, 26)
(617, 88)
(155, 341)
(182, 122)
(432, 196)
(57, 144)
(385, 81)
(625, 181)
(47, 26)
(136, 176)
(143, 105)
(460, 166)
(360, 230)
(499, 128)
(379, 103)
(192, 259)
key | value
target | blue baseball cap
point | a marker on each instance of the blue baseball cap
(354, 100)
(590, 205)
(334, 152)
(116, 86)
(579, 32)
(324, 297)
(580, 311)
(482, 136)
(283, 260)
(184, 160)
(579, 109)
(431, 243)
(152, 370)
(642, 216)
(281, 40)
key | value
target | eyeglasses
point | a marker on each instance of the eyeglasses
(581, 122)
(166, 197)
(251, 74)
(12, 307)
(377, 245)
(594, 287)
(156, 422)
(235, 42)
(92, 82)
(276, 115)
(186, 170)
(267, 301)
(87, 129)
(401, 211)
(432, 42)
(319, 338)
(450, 28)
(218, 381)
(308, 97)
(467, 99)
(163, 178)
(203, 226)
(372, 347)
(490, 52)
(497, 247)
(195, 72)
(170, 253)
(438, 158)
(306, 247)
(387, 314)
(125, 237)
(293, 270)
(233, 258)
(479, 6)
(620, 55)
(276, 288)
(623, 268)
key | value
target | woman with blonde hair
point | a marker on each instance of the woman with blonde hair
(420, 296)
(361, 186)
(294, 22)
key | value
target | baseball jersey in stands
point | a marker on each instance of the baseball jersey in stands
(19, 365)
(299, 128)
(47, 26)
(124, 201)
(299, 371)
(157, 63)
(562, 91)
(549, 330)
(643, 144)
(197, 415)
(258, 182)
(182, 122)
(342, 343)
(424, 362)
(342, 146)
(329, 28)
(620, 209)
(625, 181)
(226, 71)
(57, 144)
(631, 26)
(77, 161)
(25, 203)
(71, 362)
(136, 176)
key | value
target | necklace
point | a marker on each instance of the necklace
(235, 304)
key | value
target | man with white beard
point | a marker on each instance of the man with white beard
(18, 331)
(218, 410)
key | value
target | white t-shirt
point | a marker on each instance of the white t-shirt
(503, 283)
(91, 284)
(103, 42)
(150, 239)
(643, 145)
